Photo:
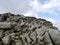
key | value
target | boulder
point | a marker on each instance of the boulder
(7, 25)
(55, 36)
(6, 40)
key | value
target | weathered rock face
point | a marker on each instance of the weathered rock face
(21, 30)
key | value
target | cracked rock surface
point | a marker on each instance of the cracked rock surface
(20, 30)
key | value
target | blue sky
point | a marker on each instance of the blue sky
(47, 9)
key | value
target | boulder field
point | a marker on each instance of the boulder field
(17, 29)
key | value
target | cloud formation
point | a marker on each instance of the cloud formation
(31, 6)
(50, 7)
(14, 6)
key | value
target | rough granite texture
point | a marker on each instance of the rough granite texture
(21, 30)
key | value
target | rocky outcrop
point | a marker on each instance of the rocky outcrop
(21, 30)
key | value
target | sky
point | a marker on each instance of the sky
(46, 9)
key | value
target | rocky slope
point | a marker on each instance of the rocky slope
(21, 30)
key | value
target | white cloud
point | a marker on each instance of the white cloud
(15, 6)
(29, 13)
(26, 6)
(49, 7)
